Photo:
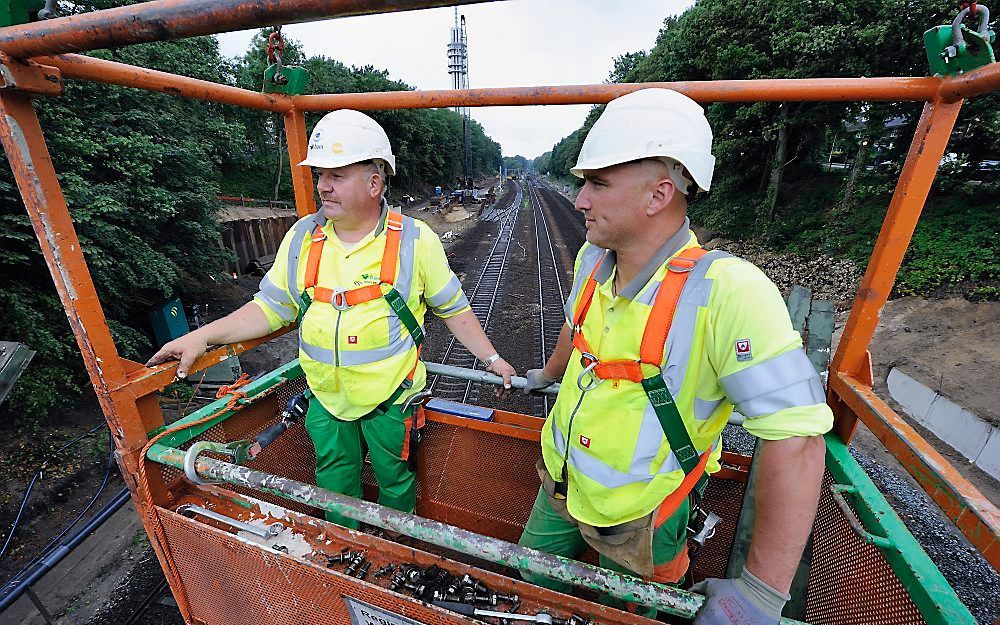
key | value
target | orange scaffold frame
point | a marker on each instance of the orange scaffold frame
(36, 57)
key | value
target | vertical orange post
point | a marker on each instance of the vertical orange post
(929, 143)
(298, 145)
(31, 165)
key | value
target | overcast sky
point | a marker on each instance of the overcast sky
(511, 44)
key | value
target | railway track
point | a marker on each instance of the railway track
(483, 299)
(551, 294)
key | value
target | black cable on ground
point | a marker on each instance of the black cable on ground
(40, 475)
(20, 583)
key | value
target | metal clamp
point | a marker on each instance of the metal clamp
(191, 456)
(708, 526)
(270, 531)
(838, 490)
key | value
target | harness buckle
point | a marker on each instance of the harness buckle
(594, 380)
(338, 300)
(678, 264)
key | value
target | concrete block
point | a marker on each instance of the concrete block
(958, 427)
(989, 457)
(913, 396)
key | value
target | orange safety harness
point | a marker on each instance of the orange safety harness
(654, 339)
(343, 299)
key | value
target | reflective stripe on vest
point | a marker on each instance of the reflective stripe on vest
(399, 339)
(695, 294)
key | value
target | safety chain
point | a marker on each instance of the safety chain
(157, 523)
(275, 48)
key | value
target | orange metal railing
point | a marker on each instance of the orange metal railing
(126, 389)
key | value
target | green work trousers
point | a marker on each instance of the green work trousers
(340, 453)
(546, 530)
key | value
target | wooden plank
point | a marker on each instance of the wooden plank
(821, 319)
(798, 306)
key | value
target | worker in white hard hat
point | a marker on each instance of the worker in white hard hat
(662, 340)
(359, 278)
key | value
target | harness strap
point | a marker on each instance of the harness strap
(651, 349)
(342, 299)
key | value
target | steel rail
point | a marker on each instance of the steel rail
(164, 20)
(540, 217)
(507, 228)
(475, 291)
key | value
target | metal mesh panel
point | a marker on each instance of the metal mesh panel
(291, 455)
(268, 588)
(850, 581)
(481, 481)
(724, 498)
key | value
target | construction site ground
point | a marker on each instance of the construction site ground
(952, 345)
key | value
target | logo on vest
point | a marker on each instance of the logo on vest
(352, 340)
(366, 279)
(743, 350)
(585, 441)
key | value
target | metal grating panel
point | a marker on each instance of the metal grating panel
(242, 583)
(850, 581)
(724, 498)
(481, 481)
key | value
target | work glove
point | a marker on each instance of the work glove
(745, 600)
(536, 381)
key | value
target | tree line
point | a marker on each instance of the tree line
(817, 176)
(142, 173)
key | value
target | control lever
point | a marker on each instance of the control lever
(295, 409)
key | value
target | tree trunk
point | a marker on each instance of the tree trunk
(280, 164)
(779, 160)
(856, 167)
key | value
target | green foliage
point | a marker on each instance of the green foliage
(794, 201)
(516, 164)
(142, 172)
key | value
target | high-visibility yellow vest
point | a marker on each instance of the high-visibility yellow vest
(731, 342)
(355, 357)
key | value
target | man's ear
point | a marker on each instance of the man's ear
(663, 193)
(375, 184)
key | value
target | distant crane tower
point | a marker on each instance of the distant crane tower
(458, 67)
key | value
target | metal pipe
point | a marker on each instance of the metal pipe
(75, 66)
(485, 377)
(930, 140)
(20, 583)
(969, 85)
(164, 20)
(622, 586)
(113, 73)
(767, 90)
(516, 381)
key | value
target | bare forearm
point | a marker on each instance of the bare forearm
(247, 322)
(555, 366)
(789, 475)
(466, 328)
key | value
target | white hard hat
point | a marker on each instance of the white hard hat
(652, 123)
(346, 137)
